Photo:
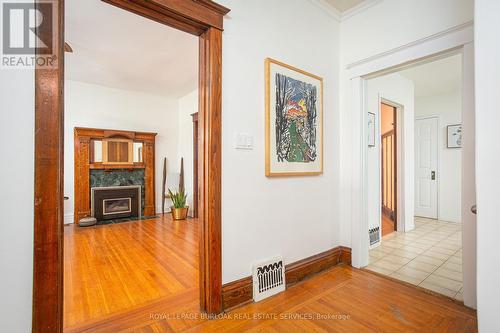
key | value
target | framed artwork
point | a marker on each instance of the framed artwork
(294, 121)
(454, 134)
(371, 129)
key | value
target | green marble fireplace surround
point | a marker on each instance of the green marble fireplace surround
(123, 177)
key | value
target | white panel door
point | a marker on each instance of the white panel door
(426, 162)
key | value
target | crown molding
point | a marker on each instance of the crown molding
(339, 16)
(359, 9)
(329, 9)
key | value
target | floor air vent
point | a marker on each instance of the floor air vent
(268, 278)
(374, 235)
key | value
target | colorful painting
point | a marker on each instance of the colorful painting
(294, 130)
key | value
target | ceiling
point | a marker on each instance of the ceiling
(118, 49)
(344, 5)
(437, 77)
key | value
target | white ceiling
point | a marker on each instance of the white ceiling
(118, 49)
(344, 5)
(435, 78)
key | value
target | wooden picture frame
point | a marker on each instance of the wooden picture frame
(294, 121)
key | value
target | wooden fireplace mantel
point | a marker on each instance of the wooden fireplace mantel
(83, 165)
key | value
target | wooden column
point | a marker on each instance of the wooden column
(49, 187)
(210, 113)
(149, 178)
(196, 145)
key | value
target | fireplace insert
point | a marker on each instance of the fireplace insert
(108, 203)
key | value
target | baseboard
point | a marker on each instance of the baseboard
(69, 219)
(240, 292)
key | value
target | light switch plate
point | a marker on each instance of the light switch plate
(243, 141)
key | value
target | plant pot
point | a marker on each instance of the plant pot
(179, 213)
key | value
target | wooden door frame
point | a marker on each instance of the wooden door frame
(395, 149)
(196, 145)
(203, 18)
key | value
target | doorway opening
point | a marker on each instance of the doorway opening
(427, 251)
(203, 19)
(129, 160)
(388, 167)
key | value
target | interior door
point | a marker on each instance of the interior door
(426, 161)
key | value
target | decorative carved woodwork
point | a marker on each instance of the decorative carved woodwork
(83, 138)
(203, 18)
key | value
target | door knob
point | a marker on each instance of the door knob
(473, 209)
(433, 175)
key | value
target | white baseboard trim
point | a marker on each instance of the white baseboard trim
(69, 219)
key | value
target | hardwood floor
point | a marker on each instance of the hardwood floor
(115, 268)
(346, 299)
(387, 225)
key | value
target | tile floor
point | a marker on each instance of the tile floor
(430, 256)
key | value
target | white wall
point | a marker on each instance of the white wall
(487, 54)
(394, 23)
(187, 106)
(400, 90)
(17, 122)
(262, 217)
(448, 109)
(383, 27)
(89, 105)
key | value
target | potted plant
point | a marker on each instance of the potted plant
(179, 208)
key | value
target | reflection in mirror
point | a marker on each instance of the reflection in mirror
(137, 152)
(97, 151)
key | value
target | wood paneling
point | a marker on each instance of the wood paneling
(346, 299)
(113, 268)
(49, 187)
(241, 292)
(82, 141)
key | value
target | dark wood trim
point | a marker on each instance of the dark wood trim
(240, 292)
(192, 16)
(210, 175)
(196, 145)
(49, 187)
(392, 214)
(200, 17)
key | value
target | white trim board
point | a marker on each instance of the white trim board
(456, 40)
(437, 45)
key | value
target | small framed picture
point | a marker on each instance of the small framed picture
(371, 129)
(454, 136)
